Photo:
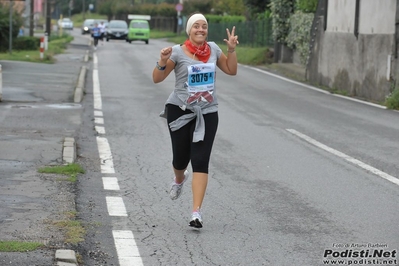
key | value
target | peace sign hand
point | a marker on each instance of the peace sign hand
(232, 40)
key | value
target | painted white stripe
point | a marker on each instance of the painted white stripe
(107, 165)
(97, 102)
(96, 85)
(99, 120)
(314, 88)
(95, 60)
(98, 113)
(110, 183)
(100, 130)
(346, 157)
(115, 206)
(126, 247)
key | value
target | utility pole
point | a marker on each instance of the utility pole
(10, 37)
(31, 17)
(48, 17)
(83, 9)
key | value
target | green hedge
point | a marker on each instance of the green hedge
(26, 43)
(224, 19)
(5, 26)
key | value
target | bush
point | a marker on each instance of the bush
(26, 43)
(299, 35)
(307, 6)
(224, 19)
(281, 11)
(5, 26)
(392, 101)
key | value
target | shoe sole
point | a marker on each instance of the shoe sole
(196, 223)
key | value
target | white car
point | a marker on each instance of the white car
(65, 23)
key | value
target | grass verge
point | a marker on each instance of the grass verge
(74, 230)
(19, 246)
(70, 170)
(392, 102)
(56, 45)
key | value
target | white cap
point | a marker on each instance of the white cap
(194, 18)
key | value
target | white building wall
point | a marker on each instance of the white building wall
(353, 63)
(341, 15)
(377, 17)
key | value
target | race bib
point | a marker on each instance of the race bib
(201, 82)
(201, 77)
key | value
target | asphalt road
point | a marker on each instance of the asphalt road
(297, 176)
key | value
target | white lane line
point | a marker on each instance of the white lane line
(110, 183)
(314, 88)
(96, 85)
(98, 113)
(107, 165)
(96, 91)
(115, 206)
(99, 120)
(95, 61)
(100, 130)
(126, 247)
(346, 157)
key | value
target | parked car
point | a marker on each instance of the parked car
(117, 29)
(139, 30)
(65, 23)
(87, 25)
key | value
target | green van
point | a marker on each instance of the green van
(139, 30)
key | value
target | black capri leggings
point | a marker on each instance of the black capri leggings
(183, 147)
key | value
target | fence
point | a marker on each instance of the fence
(250, 33)
(163, 23)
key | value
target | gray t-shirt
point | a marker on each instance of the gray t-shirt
(180, 94)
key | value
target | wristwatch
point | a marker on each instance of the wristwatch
(160, 67)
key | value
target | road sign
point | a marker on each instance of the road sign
(179, 7)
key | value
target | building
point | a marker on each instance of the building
(354, 47)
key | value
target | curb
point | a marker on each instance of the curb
(80, 87)
(86, 58)
(66, 257)
(69, 150)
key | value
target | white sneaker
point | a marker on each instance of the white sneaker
(196, 219)
(176, 189)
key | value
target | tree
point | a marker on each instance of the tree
(230, 7)
(202, 6)
(5, 26)
(257, 6)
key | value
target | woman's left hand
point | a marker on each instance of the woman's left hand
(232, 40)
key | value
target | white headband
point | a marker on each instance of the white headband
(192, 20)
